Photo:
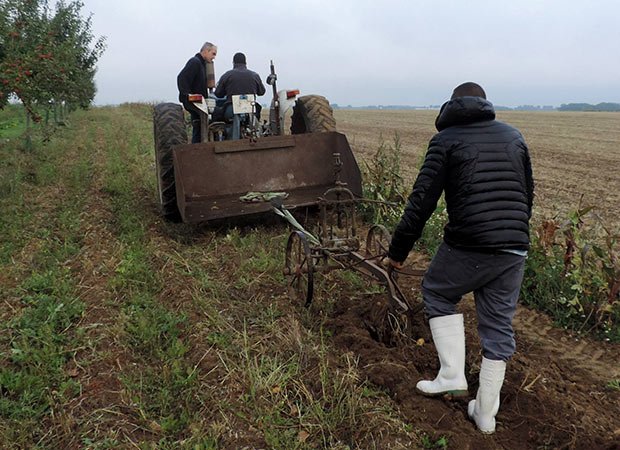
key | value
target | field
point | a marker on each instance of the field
(575, 156)
(120, 330)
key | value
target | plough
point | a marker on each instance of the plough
(337, 246)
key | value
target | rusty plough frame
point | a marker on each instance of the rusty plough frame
(337, 246)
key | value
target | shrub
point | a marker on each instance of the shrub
(384, 186)
(573, 273)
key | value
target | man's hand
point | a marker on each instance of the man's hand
(395, 264)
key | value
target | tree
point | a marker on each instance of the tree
(45, 57)
(76, 53)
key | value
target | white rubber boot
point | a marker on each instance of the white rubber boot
(483, 409)
(449, 338)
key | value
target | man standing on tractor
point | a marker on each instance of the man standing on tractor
(483, 167)
(193, 80)
(239, 81)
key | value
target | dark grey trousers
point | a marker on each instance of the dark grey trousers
(495, 279)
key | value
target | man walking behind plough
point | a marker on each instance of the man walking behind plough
(483, 167)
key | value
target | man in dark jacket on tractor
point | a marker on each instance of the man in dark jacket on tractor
(238, 81)
(193, 80)
(483, 167)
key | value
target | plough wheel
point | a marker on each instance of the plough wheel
(377, 242)
(299, 268)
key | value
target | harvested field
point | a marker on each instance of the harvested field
(575, 156)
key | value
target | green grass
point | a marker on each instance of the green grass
(41, 336)
(12, 122)
(38, 346)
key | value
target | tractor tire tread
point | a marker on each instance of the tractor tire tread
(312, 114)
(169, 131)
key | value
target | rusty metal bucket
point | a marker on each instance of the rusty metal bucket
(211, 177)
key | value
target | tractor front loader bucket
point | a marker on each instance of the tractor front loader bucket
(212, 177)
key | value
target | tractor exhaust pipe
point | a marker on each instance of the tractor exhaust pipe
(275, 104)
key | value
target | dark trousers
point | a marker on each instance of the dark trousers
(195, 116)
(495, 279)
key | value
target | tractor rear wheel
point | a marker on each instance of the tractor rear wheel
(169, 131)
(312, 114)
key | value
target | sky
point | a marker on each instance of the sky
(360, 52)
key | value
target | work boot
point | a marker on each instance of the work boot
(449, 338)
(483, 409)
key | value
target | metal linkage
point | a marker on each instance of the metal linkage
(339, 248)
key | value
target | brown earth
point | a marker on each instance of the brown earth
(554, 396)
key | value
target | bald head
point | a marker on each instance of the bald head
(468, 89)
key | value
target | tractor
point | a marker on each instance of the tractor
(241, 164)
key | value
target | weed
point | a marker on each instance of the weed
(384, 185)
(165, 395)
(102, 444)
(12, 121)
(432, 234)
(430, 443)
(614, 385)
(576, 279)
(134, 272)
(152, 330)
(218, 339)
(353, 281)
(42, 335)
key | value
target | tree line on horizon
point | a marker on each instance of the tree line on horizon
(605, 106)
(47, 55)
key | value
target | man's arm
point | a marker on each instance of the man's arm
(260, 87)
(184, 79)
(529, 180)
(220, 90)
(421, 203)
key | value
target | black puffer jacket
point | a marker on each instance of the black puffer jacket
(484, 168)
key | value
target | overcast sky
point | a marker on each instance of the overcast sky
(359, 52)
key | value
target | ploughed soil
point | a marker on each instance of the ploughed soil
(556, 393)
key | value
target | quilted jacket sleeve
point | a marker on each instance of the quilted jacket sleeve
(422, 201)
(529, 181)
